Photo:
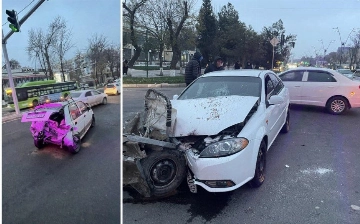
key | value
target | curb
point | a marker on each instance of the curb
(11, 117)
(162, 85)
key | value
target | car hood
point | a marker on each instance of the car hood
(209, 116)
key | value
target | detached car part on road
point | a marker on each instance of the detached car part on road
(60, 123)
(216, 133)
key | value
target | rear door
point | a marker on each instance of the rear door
(293, 80)
(318, 87)
(77, 118)
(89, 98)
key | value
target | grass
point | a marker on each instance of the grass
(153, 80)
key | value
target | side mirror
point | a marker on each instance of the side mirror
(175, 97)
(274, 100)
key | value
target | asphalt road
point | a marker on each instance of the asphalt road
(52, 185)
(312, 177)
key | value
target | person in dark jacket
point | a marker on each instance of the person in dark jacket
(237, 65)
(248, 65)
(216, 66)
(125, 67)
(193, 68)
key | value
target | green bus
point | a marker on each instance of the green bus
(31, 94)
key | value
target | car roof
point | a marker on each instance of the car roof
(310, 68)
(238, 72)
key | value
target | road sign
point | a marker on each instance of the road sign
(274, 41)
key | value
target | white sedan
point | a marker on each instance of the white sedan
(322, 87)
(89, 96)
(226, 122)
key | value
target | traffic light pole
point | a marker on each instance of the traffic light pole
(11, 81)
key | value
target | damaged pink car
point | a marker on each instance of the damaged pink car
(60, 123)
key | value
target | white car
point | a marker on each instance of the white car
(60, 123)
(90, 96)
(226, 122)
(322, 87)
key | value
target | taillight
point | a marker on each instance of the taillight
(114, 87)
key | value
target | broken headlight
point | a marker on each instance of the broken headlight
(224, 148)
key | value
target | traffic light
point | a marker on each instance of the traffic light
(14, 24)
(282, 40)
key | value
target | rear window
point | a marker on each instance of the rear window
(109, 85)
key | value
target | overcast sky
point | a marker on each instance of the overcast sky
(84, 17)
(310, 20)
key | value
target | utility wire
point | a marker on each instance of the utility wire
(21, 10)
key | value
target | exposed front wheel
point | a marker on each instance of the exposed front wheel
(337, 105)
(164, 171)
(93, 121)
(104, 101)
(259, 176)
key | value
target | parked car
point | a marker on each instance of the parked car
(112, 89)
(346, 72)
(224, 123)
(61, 123)
(321, 87)
(90, 96)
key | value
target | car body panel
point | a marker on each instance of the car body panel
(89, 96)
(209, 116)
(112, 88)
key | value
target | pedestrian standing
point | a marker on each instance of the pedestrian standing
(125, 67)
(237, 65)
(216, 66)
(248, 65)
(193, 68)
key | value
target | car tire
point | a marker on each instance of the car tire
(260, 167)
(286, 127)
(39, 143)
(337, 105)
(92, 121)
(76, 147)
(35, 103)
(117, 93)
(164, 171)
(104, 101)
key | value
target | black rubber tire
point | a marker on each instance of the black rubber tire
(104, 101)
(286, 127)
(93, 121)
(170, 164)
(117, 93)
(39, 143)
(337, 105)
(76, 148)
(260, 167)
(35, 103)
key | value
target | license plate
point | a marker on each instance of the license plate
(191, 183)
(35, 115)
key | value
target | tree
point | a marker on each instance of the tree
(62, 43)
(176, 13)
(97, 46)
(206, 28)
(281, 51)
(112, 55)
(14, 64)
(131, 9)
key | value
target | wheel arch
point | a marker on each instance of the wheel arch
(346, 99)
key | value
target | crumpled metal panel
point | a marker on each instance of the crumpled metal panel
(209, 116)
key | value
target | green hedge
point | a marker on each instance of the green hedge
(153, 80)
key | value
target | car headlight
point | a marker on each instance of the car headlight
(224, 148)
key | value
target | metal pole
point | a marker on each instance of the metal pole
(147, 56)
(272, 62)
(11, 81)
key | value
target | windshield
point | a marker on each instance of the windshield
(75, 94)
(222, 86)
